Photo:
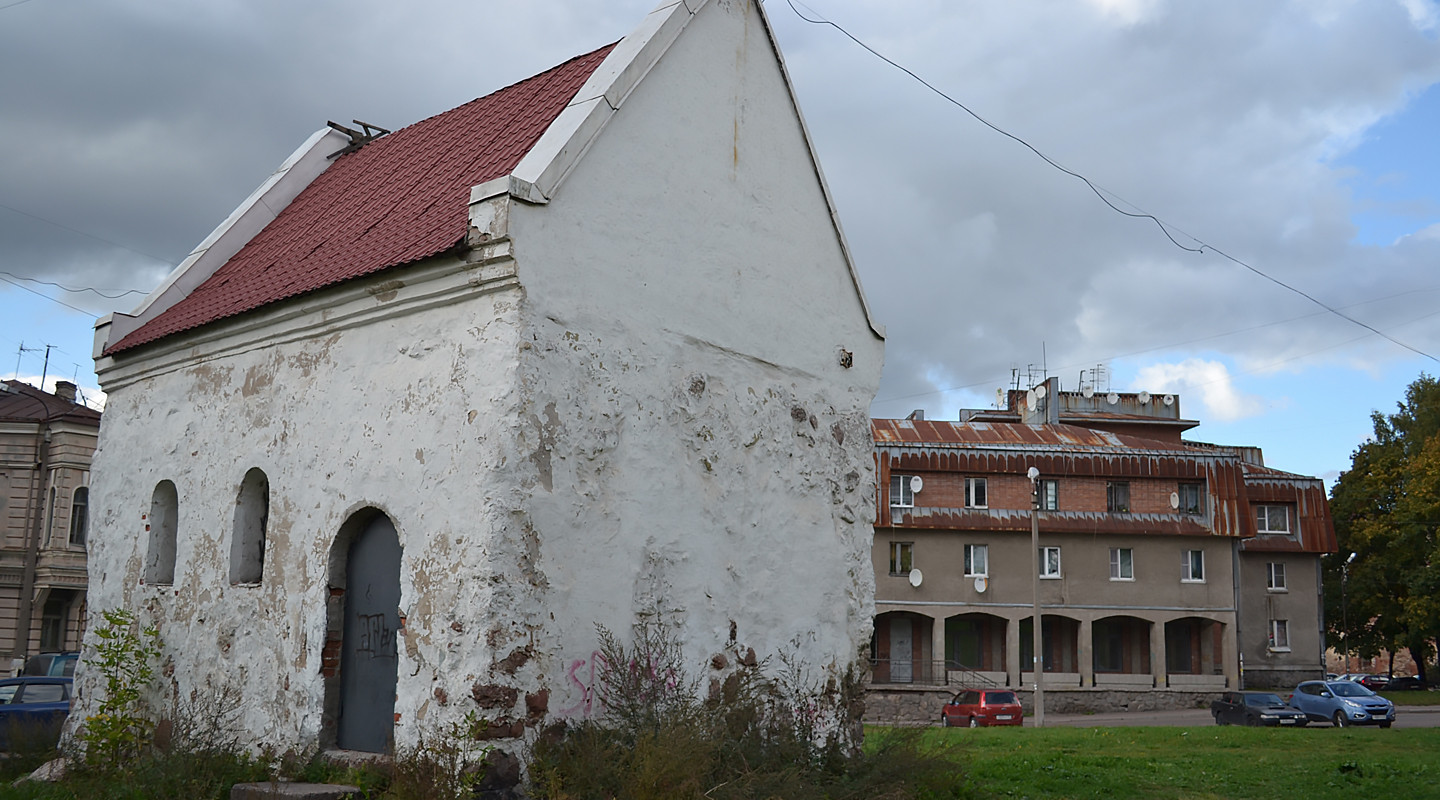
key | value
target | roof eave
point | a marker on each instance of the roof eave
(248, 219)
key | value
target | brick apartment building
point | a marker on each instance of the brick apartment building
(46, 442)
(1167, 567)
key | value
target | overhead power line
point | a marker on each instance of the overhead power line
(78, 232)
(75, 290)
(1164, 227)
(48, 297)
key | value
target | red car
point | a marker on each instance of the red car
(982, 707)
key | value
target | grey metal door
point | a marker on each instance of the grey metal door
(368, 661)
(900, 656)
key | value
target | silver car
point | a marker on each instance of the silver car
(1342, 703)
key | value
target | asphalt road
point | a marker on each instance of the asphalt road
(1405, 717)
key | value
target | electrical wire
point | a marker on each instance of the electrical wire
(12, 5)
(74, 290)
(48, 297)
(1164, 228)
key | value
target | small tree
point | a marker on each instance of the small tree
(121, 727)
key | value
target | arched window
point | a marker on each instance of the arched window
(252, 512)
(164, 520)
(79, 516)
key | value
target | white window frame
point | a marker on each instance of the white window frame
(1122, 564)
(977, 567)
(1279, 636)
(1046, 563)
(902, 483)
(1262, 519)
(1111, 504)
(1275, 577)
(977, 494)
(1049, 489)
(897, 561)
(1188, 573)
(1200, 500)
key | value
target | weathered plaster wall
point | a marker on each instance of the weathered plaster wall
(412, 414)
(709, 458)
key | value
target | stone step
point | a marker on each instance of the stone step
(281, 790)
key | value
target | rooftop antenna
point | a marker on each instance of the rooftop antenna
(358, 139)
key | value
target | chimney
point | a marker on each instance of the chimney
(65, 390)
(918, 414)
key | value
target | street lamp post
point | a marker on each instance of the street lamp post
(1039, 664)
(1344, 616)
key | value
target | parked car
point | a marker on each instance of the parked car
(1342, 703)
(982, 708)
(1406, 683)
(56, 665)
(1255, 708)
(32, 710)
(1372, 682)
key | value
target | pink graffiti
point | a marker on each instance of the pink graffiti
(586, 685)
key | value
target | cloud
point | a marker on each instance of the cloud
(1209, 380)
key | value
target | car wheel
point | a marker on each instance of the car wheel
(1340, 720)
(974, 723)
(1252, 722)
(1386, 724)
(1219, 721)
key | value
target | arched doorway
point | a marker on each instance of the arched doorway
(365, 716)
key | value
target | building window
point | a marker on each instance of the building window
(1272, 520)
(1280, 635)
(902, 558)
(1049, 562)
(54, 619)
(901, 493)
(1192, 566)
(975, 493)
(1049, 491)
(1117, 497)
(252, 515)
(977, 560)
(162, 524)
(1275, 577)
(1122, 564)
(79, 516)
(1192, 498)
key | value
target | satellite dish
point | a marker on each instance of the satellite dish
(1143, 397)
(981, 585)
(916, 578)
(1169, 399)
(1040, 391)
(1174, 500)
(1032, 473)
(1030, 399)
(1087, 391)
(917, 483)
(1112, 398)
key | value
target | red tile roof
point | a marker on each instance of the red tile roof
(399, 199)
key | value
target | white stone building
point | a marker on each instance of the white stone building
(584, 351)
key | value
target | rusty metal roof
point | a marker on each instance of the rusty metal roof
(1014, 435)
(25, 403)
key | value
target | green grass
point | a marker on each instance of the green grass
(1412, 698)
(1228, 762)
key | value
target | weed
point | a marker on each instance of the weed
(121, 727)
(752, 737)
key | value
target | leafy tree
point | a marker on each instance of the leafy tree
(1387, 511)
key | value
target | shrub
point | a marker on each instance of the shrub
(753, 736)
(121, 727)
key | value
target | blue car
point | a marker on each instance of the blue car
(1342, 703)
(32, 710)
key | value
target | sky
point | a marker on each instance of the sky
(1290, 143)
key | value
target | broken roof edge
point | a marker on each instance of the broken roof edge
(265, 203)
(541, 171)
